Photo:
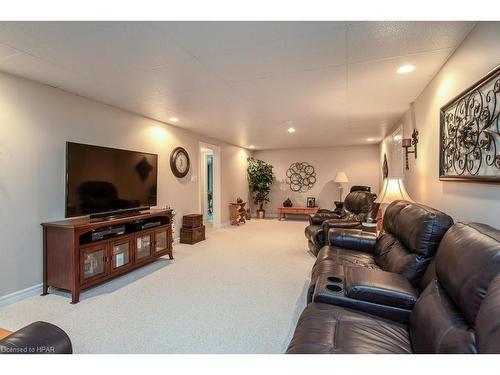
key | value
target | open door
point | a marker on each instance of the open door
(209, 184)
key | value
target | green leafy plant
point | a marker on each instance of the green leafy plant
(260, 179)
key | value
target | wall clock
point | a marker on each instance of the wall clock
(179, 162)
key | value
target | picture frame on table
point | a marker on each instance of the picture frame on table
(311, 202)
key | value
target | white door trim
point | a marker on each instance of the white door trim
(216, 181)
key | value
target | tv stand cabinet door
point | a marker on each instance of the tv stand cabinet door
(162, 241)
(144, 242)
(122, 254)
(93, 262)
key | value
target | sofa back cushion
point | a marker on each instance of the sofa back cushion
(410, 237)
(437, 326)
(452, 314)
(358, 205)
(488, 321)
(468, 260)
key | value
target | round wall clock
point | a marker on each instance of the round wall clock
(179, 162)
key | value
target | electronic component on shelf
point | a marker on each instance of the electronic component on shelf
(107, 232)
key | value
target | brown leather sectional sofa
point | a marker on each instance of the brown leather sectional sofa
(37, 338)
(358, 206)
(424, 285)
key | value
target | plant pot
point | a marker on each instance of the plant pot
(261, 214)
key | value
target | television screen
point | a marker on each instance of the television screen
(102, 179)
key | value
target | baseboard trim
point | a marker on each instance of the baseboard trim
(20, 295)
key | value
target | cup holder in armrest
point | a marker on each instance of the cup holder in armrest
(334, 279)
(334, 288)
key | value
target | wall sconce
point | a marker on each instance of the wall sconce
(408, 142)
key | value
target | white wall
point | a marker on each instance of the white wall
(464, 201)
(35, 123)
(360, 163)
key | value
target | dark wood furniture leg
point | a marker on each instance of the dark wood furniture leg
(45, 287)
(75, 296)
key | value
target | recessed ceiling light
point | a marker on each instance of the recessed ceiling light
(251, 146)
(173, 119)
(370, 139)
(407, 68)
(291, 130)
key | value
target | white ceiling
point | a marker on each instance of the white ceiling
(241, 82)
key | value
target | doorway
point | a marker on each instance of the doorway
(209, 178)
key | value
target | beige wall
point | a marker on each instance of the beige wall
(465, 201)
(360, 163)
(35, 123)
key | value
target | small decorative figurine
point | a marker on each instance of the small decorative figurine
(287, 203)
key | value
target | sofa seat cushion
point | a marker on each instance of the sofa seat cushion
(328, 329)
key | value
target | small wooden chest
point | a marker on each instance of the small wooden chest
(192, 235)
(192, 221)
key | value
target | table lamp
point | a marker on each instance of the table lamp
(341, 178)
(392, 190)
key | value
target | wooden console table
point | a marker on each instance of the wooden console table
(238, 213)
(282, 211)
(80, 253)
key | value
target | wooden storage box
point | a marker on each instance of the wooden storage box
(192, 235)
(192, 221)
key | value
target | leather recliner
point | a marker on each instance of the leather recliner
(458, 311)
(409, 239)
(37, 338)
(358, 206)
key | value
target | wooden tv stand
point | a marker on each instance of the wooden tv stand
(74, 261)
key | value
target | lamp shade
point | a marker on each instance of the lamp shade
(341, 177)
(393, 190)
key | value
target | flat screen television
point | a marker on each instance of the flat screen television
(103, 181)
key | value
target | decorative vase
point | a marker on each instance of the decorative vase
(261, 214)
(287, 203)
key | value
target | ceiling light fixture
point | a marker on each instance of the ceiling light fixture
(370, 139)
(407, 68)
(251, 146)
(291, 130)
(173, 119)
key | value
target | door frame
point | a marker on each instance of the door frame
(216, 168)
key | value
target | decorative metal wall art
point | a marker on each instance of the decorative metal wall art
(385, 167)
(470, 133)
(407, 143)
(300, 177)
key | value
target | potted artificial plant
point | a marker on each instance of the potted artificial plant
(260, 179)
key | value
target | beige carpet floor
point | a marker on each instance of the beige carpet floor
(240, 291)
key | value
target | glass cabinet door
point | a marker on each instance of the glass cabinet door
(161, 240)
(120, 252)
(93, 262)
(143, 247)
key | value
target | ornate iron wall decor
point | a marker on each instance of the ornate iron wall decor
(301, 177)
(385, 167)
(470, 133)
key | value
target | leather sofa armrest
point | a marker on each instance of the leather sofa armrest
(380, 287)
(352, 239)
(37, 338)
(319, 217)
(340, 223)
